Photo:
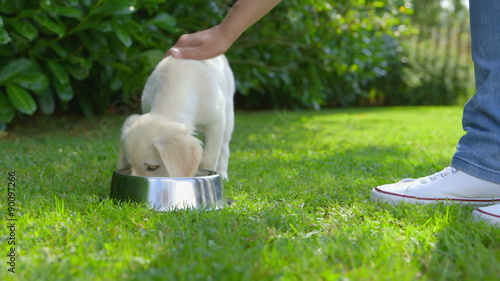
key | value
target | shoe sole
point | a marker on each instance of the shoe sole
(481, 215)
(378, 195)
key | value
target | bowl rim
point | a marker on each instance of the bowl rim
(210, 175)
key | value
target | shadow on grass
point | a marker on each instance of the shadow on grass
(342, 155)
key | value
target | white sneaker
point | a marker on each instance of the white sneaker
(449, 186)
(490, 214)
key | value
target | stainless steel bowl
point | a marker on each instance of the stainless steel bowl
(203, 191)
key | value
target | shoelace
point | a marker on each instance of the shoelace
(444, 173)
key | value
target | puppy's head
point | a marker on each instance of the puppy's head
(153, 146)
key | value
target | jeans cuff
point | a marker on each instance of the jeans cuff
(474, 170)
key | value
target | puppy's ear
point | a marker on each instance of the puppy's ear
(122, 159)
(181, 154)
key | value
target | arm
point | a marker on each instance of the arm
(216, 40)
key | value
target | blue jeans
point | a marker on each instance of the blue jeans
(478, 151)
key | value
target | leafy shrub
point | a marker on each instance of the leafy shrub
(312, 53)
(77, 54)
(439, 69)
(432, 79)
(89, 55)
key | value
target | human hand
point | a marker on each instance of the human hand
(202, 45)
(215, 41)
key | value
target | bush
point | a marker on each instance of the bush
(78, 54)
(311, 53)
(84, 55)
(439, 69)
(432, 79)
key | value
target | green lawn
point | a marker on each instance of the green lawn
(300, 182)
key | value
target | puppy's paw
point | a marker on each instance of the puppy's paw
(223, 175)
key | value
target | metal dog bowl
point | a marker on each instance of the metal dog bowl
(203, 191)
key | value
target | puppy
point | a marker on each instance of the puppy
(181, 97)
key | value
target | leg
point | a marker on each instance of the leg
(213, 143)
(478, 151)
(222, 165)
(474, 175)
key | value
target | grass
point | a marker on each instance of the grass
(300, 182)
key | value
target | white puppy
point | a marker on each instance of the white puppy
(181, 96)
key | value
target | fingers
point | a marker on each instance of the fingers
(190, 40)
(201, 45)
(174, 52)
(187, 47)
(189, 53)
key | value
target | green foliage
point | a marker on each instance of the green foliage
(77, 54)
(438, 76)
(321, 53)
(89, 56)
(439, 68)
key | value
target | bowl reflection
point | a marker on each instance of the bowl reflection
(203, 191)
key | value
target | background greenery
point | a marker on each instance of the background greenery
(300, 182)
(92, 56)
(438, 56)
